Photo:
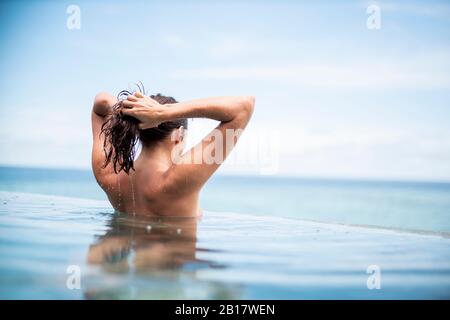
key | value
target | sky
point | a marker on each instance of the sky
(334, 98)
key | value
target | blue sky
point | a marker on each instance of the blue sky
(334, 98)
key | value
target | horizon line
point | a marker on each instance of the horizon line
(256, 175)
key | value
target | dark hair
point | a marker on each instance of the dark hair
(122, 133)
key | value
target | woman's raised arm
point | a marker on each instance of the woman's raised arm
(196, 166)
(102, 106)
(150, 113)
(224, 109)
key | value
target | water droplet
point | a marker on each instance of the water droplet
(178, 231)
(149, 228)
(132, 195)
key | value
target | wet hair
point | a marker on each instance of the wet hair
(122, 132)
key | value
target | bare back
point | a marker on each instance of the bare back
(145, 191)
(167, 189)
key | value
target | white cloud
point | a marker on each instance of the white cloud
(353, 152)
(427, 8)
(174, 41)
(40, 137)
(370, 76)
(372, 152)
(230, 47)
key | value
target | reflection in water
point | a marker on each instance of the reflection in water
(158, 252)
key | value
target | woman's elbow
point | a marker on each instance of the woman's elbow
(245, 112)
(102, 98)
(102, 103)
(249, 105)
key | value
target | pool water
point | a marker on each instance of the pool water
(223, 255)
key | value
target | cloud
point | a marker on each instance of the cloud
(231, 47)
(351, 151)
(39, 137)
(372, 152)
(174, 41)
(370, 76)
(427, 8)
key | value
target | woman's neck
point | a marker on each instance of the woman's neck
(158, 154)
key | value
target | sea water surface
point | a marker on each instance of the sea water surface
(256, 240)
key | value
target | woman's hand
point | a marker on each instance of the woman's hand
(148, 111)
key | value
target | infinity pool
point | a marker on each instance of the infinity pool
(50, 244)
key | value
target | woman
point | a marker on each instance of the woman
(162, 180)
